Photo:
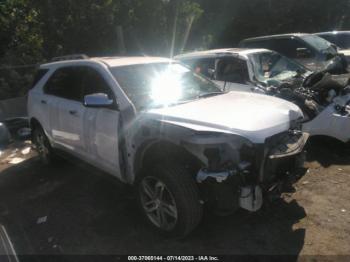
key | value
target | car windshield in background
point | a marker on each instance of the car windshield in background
(271, 65)
(319, 43)
(162, 84)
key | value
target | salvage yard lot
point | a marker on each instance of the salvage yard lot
(68, 209)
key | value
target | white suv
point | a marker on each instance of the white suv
(153, 123)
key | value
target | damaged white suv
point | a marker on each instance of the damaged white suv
(153, 123)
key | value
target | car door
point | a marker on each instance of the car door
(66, 109)
(101, 123)
(232, 74)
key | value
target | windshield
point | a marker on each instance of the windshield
(162, 84)
(319, 43)
(271, 65)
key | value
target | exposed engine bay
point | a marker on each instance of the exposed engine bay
(316, 92)
(323, 96)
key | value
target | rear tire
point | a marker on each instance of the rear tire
(42, 146)
(169, 199)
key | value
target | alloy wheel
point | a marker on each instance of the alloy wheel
(158, 203)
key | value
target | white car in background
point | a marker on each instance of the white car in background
(324, 98)
(153, 123)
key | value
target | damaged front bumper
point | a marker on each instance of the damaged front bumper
(245, 185)
(333, 121)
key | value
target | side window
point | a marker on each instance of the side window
(66, 83)
(38, 76)
(292, 48)
(94, 83)
(204, 66)
(232, 70)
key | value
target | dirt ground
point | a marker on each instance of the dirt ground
(68, 209)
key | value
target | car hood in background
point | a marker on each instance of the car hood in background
(253, 116)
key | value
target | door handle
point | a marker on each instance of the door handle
(73, 112)
(43, 102)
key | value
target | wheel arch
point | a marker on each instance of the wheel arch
(153, 152)
(34, 123)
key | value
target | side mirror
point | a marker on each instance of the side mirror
(97, 100)
(303, 53)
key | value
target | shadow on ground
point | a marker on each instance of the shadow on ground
(88, 214)
(328, 151)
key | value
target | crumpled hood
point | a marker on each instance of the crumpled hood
(249, 115)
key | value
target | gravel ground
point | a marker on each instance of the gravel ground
(68, 209)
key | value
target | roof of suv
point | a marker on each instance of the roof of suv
(213, 52)
(274, 36)
(112, 61)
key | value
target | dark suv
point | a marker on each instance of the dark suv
(339, 38)
(310, 50)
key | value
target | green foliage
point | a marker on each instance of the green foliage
(21, 39)
(20, 43)
(33, 31)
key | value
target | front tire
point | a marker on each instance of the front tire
(169, 199)
(42, 145)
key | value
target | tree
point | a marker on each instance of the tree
(20, 44)
(34, 31)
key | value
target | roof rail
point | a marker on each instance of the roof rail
(69, 57)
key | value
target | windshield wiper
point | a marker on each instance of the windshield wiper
(211, 94)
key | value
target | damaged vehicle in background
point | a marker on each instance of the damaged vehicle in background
(324, 98)
(311, 51)
(173, 134)
(339, 38)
